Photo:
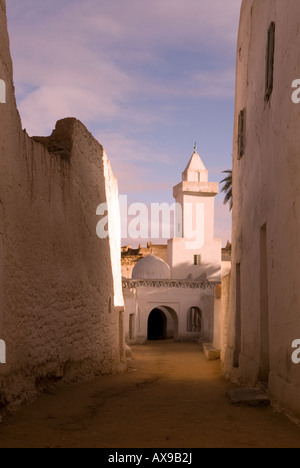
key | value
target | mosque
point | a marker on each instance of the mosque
(177, 295)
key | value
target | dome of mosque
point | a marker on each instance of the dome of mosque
(151, 267)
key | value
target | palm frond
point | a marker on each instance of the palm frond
(227, 188)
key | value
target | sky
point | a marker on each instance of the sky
(149, 78)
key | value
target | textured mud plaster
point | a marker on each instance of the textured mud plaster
(61, 302)
(263, 316)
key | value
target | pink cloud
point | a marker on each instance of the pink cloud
(74, 59)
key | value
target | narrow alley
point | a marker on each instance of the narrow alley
(171, 397)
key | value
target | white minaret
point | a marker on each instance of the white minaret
(197, 254)
(197, 198)
(195, 170)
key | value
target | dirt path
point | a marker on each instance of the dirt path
(171, 397)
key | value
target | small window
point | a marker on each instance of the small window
(270, 61)
(194, 320)
(242, 134)
(197, 260)
(131, 326)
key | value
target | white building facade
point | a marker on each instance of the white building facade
(264, 315)
(176, 300)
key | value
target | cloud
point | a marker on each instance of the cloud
(217, 83)
(134, 163)
(129, 149)
(136, 72)
(62, 77)
(168, 22)
(105, 60)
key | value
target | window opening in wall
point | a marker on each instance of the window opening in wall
(242, 134)
(197, 260)
(194, 320)
(270, 61)
(131, 326)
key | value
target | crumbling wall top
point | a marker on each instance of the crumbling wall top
(60, 141)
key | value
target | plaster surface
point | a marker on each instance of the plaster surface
(60, 295)
(266, 211)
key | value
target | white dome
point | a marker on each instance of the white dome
(151, 267)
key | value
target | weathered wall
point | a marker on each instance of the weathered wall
(224, 314)
(61, 298)
(221, 303)
(266, 193)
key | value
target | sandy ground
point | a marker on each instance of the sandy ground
(171, 397)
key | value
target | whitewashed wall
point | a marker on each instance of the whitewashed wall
(60, 297)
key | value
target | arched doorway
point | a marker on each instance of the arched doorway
(157, 325)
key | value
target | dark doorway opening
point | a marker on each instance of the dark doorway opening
(157, 325)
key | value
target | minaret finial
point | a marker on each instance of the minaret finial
(195, 147)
